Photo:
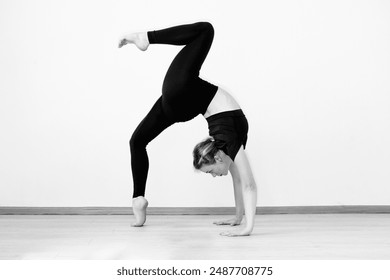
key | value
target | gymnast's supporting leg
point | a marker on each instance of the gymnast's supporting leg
(150, 127)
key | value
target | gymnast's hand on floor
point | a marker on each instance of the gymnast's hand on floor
(239, 232)
(232, 222)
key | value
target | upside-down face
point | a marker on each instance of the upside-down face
(220, 167)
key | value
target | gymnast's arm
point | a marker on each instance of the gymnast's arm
(237, 199)
(249, 193)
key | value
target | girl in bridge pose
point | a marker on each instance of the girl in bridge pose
(184, 96)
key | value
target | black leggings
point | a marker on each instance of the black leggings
(184, 94)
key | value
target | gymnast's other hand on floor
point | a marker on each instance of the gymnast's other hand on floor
(232, 222)
(239, 232)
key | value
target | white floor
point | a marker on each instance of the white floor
(304, 237)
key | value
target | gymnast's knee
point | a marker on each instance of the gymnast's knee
(206, 27)
(136, 142)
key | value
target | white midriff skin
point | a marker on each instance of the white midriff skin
(221, 102)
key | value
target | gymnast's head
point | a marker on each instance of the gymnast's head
(209, 159)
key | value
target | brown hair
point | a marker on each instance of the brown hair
(204, 153)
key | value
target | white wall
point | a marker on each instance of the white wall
(311, 76)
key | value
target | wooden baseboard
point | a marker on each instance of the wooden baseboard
(350, 209)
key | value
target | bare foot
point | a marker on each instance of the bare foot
(139, 209)
(140, 39)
